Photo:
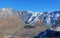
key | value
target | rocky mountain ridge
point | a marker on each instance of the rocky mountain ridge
(12, 22)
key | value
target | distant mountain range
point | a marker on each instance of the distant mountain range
(30, 17)
(13, 22)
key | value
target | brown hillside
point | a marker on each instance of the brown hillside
(10, 23)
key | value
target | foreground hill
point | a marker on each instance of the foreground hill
(9, 22)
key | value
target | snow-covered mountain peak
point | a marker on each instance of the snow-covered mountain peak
(30, 17)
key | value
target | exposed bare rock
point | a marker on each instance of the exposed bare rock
(31, 32)
(11, 23)
(39, 23)
(2, 36)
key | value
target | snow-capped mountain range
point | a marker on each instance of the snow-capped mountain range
(48, 17)
(31, 17)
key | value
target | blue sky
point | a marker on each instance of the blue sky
(31, 5)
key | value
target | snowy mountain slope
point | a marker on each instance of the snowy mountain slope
(12, 21)
(30, 18)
